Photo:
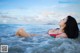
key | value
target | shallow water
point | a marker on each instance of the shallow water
(42, 43)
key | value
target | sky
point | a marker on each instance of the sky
(37, 11)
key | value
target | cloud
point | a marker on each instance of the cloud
(37, 15)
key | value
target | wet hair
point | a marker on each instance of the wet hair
(71, 29)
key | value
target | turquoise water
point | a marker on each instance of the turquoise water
(42, 43)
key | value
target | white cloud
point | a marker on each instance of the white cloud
(37, 15)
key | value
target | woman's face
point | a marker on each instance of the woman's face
(62, 22)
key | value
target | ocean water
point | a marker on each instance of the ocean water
(41, 43)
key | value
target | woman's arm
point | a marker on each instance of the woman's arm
(51, 31)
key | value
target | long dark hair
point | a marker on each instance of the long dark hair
(71, 28)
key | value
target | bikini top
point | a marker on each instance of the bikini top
(54, 35)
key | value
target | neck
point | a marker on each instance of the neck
(62, 29)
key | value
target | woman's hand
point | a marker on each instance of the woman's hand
(51, 31)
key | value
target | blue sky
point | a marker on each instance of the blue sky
(11, 4)
(37, 11)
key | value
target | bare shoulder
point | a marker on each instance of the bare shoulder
(62, 35)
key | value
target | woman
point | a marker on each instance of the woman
(68, 29)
